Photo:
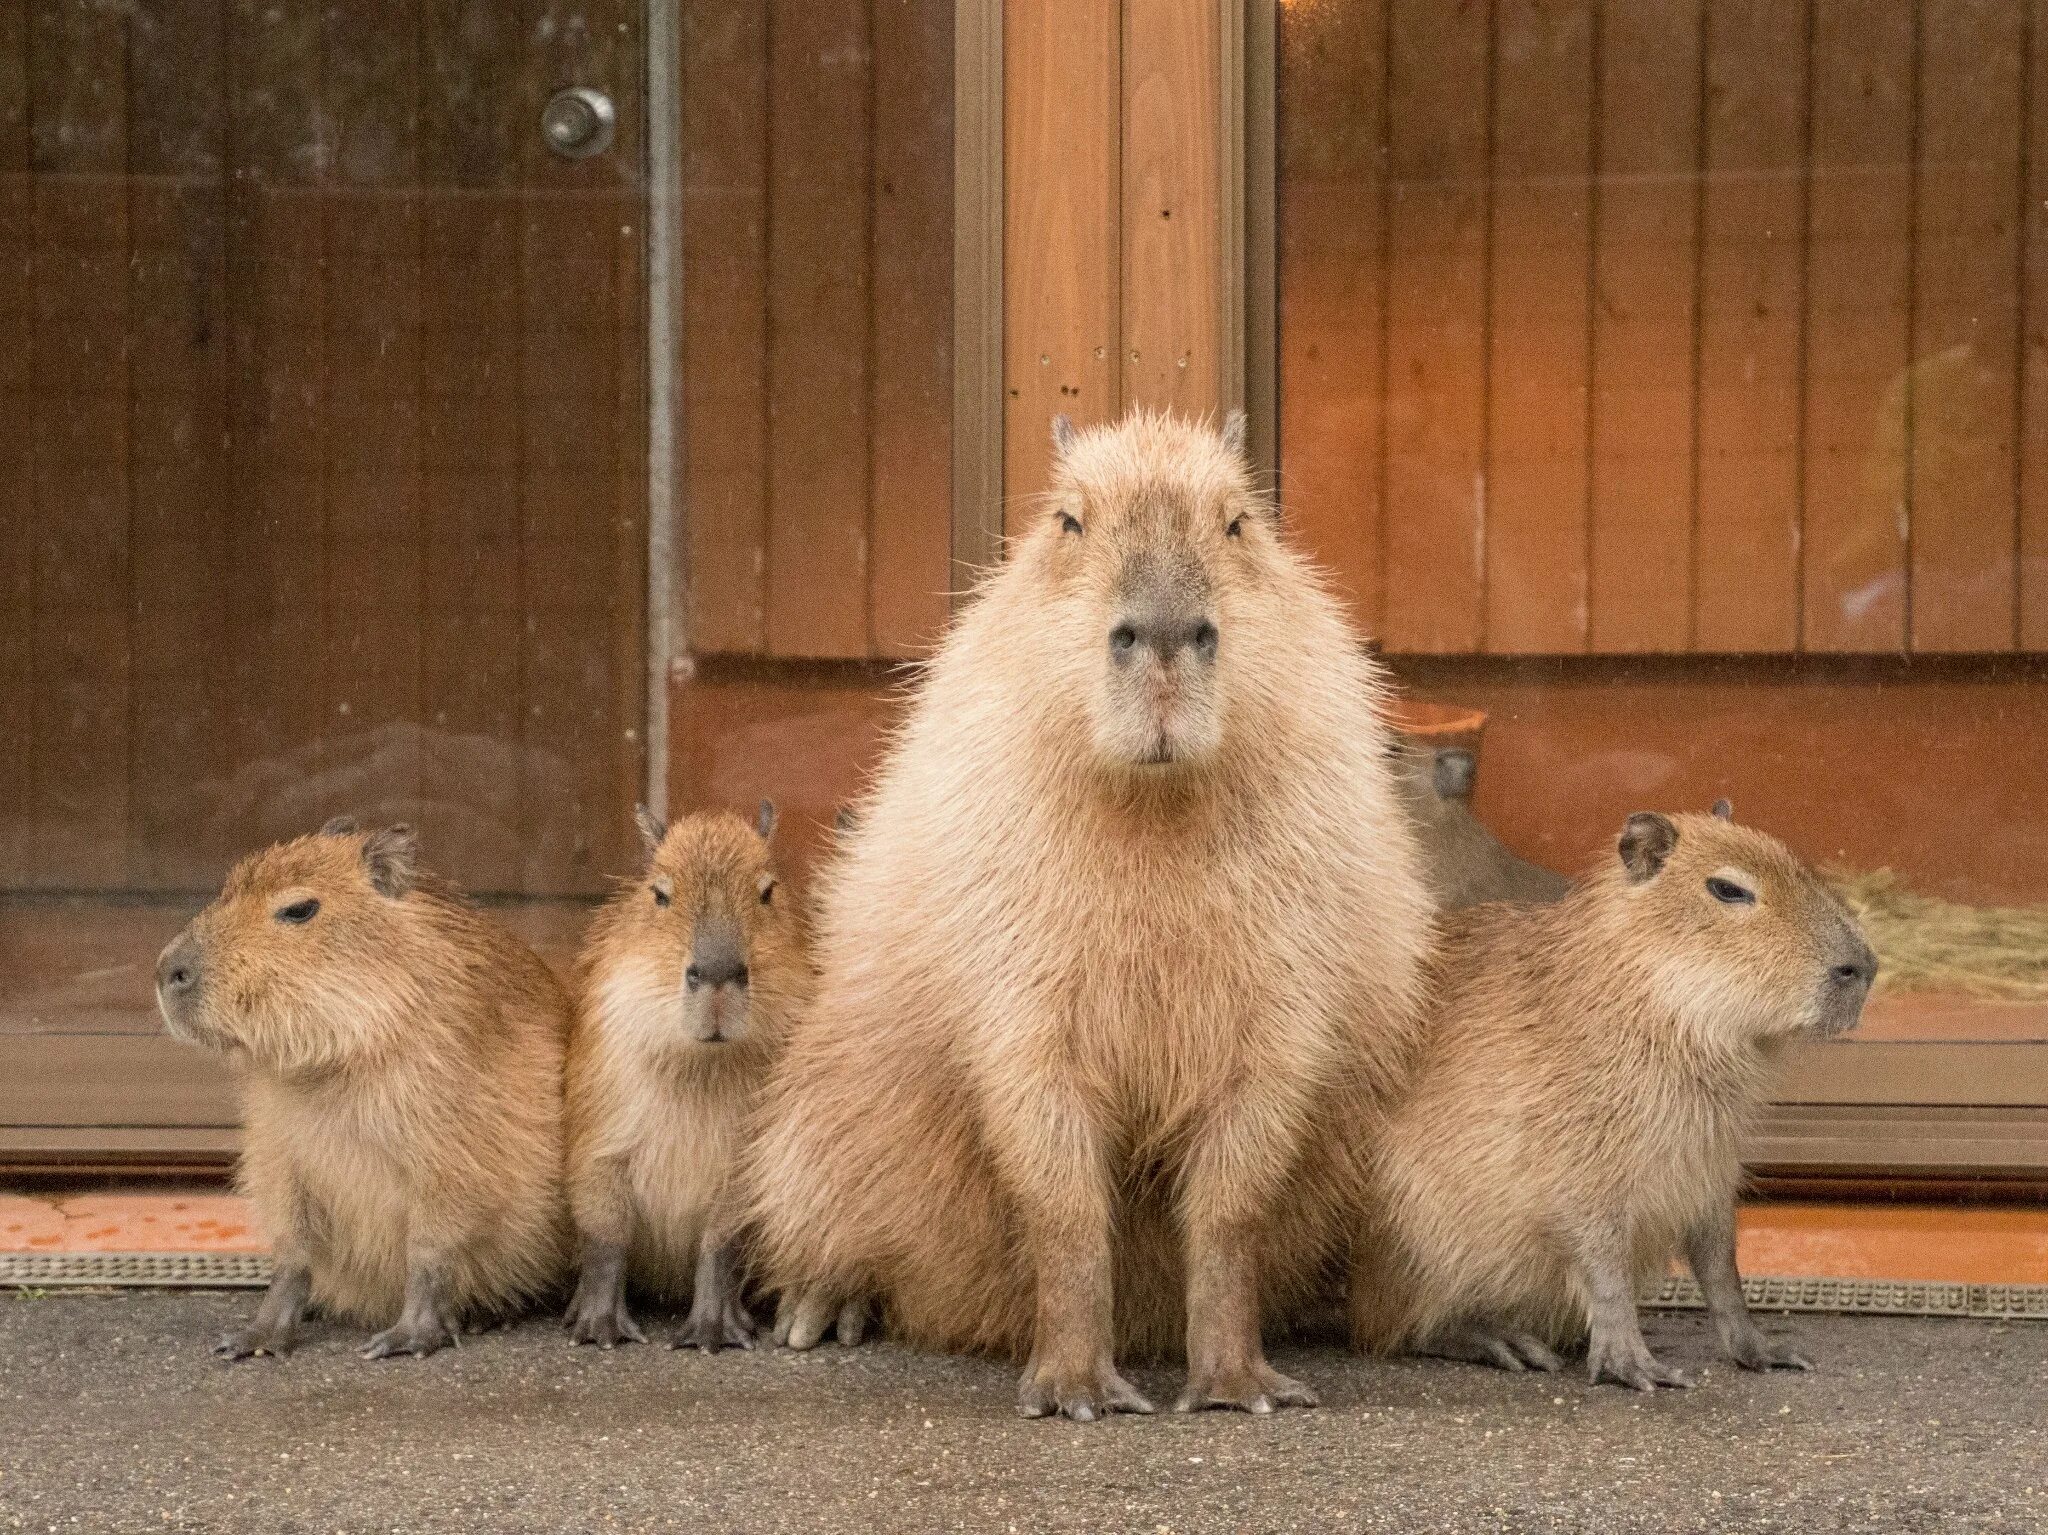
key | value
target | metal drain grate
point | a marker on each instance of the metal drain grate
(1869, 1297)
(204, 1271)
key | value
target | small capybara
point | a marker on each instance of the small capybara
(685, 988)
(1576, 1114)
(1465, 863)
(1130, 902)
(400, 1059)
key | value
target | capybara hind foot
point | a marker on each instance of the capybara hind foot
(1082, 1395)
(1627, 1361)
(426, 1325)
(812, 1316)
(1254, 1387)
(256, 1338)
(1753, 1351)
(594, 1317)
(1501, 1348)
(711, 1328)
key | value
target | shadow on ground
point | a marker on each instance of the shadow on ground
(114, 1417)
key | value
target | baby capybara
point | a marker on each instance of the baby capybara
(400, 1063)
(1129, 900)
(1577, 1113)
(686, 985)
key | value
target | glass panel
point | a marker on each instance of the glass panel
(322, 461)
(1666, 380)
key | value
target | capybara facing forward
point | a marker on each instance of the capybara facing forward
(1576, 1114)
(685, 988)
(1128, 904)
(400, 1060)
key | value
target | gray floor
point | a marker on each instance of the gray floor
(113, 1417)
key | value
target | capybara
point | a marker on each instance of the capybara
(1129, 904)
(684, 990)
(1465, 863)
(400, 1060)
(1576, 1116)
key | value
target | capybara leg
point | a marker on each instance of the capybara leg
(1226, 1361)
(718, 1315)
(1710, 1249)
(1504, 1349)
(598, 1312)
(1616, 1350)
(1048, 1155)
(276, 1325)
(428, 1321)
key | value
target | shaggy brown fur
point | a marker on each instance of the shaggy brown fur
(685, 988)
(1128, 904)
(1577, 1111)
(1465, 863)
(400, 1057)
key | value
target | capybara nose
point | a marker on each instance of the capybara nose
(177, 968)
(1166, 637)
(716, 959)
(1858, 970)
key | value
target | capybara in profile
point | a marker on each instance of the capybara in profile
(400, 1060)
(1464, 862)
(1128, 906)
(685, 988)
(1576, 1115)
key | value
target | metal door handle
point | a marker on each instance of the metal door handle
(579, 122)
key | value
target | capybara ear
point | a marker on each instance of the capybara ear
(1063, 435)
(1453, 772)
(392, 856)
(652, 828)
(1723, 810)
(1646, 841)
(764, 820)
(1234, 433)
(341, 826)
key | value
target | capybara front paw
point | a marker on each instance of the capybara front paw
(1255, 1387)
(603, 1320)
(1629, 1362)
(1502, 1348)
(729, 1326)
(1082, 1395)
(418, 1336)
(247, 1342)
(808, 1318)
(1753, 1351)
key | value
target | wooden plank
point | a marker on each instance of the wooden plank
(821, 286)
(17, 452)
(1640, 575)
(912, 327)
(1965, 327)
(2033, 445)
(724, 91)
(1540, 271)
(1438, 100)
(1172, 100)
(1062, 256)
(1752, 295)
(133, 1080)
(1858, 276)
(1330, 214)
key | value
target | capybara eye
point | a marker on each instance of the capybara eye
(298, 912)
(767, 890)
(1728, 893)
(1069, 523)
(661, 896)
(693, 977)
(1236, 528)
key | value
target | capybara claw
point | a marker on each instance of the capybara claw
(250, 1342)
(1081, 1398)
(1257, 1389)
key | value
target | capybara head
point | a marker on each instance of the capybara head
(1151, 554)
(309, 956)
(685, 946)
(1745, 942)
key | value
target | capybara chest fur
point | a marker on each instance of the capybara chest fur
(400, 1056)
(1128, 906)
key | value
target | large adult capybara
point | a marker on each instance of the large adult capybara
(1577, 1110)
(400, 1058)
(1128, 904)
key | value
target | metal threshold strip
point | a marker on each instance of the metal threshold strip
(1856, 1297)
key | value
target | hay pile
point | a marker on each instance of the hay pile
(1923, 943)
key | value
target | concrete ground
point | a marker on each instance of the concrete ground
(114, 1417)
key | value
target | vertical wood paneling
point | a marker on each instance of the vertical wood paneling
(1644, 328)
(1172, 177)
(1332, 94)
(819, 254)
(1437, 163)
(911, 325)
(1537, 383)
(17, 451)
(1859, 266)
(2033, 469)
(724, 91)
(1751, 306)
(1961, 396)
(1062, 258)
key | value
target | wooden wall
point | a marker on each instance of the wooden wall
(818, 325)
(1670, 326)
(322, 471)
